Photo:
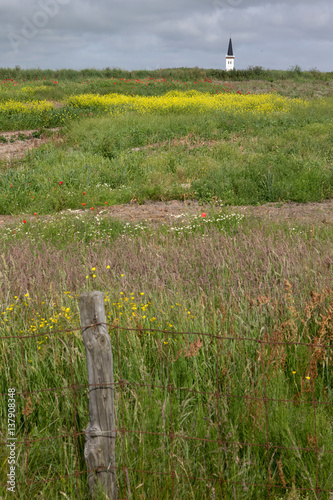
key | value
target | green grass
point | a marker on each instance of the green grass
(218, 275)
(184, 73)
(241, 160)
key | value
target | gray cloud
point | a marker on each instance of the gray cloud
(135, 34)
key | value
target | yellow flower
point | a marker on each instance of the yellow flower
(189, 101)
(107, 267)
(93, 268)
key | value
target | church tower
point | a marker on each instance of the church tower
(229, 58)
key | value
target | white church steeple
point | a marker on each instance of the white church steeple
(229, 58)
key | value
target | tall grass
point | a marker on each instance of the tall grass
(233, 285)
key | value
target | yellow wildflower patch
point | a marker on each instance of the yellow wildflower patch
(190, 101)
(11, 106)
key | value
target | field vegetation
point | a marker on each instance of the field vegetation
(240, 138)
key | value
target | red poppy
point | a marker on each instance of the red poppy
(84, 192)
(24, 221)
(203, 214)
(84, 204)
(61, 182)
(106, 203)
(92, 208)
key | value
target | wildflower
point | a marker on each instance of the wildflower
(84, 192)
(293, 373)
(107, 267)
(92, 208)
(24, 221)
(203, 214)
(35, 213)
(93, 268)
(308, 378)
(61, 182)
(84, 204)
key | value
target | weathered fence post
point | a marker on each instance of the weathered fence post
(99, 450)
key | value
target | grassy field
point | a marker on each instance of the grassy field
(172, 134)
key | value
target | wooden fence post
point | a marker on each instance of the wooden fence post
(99, 450)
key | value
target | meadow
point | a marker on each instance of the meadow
(184, 134)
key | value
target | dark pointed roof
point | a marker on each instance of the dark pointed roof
(230, 51)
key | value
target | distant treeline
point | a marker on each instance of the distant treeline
(185, 74)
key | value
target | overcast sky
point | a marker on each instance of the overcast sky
(151, 34)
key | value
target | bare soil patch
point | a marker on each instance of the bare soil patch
(16, 144)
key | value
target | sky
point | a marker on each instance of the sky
(153, 34)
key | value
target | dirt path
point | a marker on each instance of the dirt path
(171, 211)
(158, 211)
(306, 213)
